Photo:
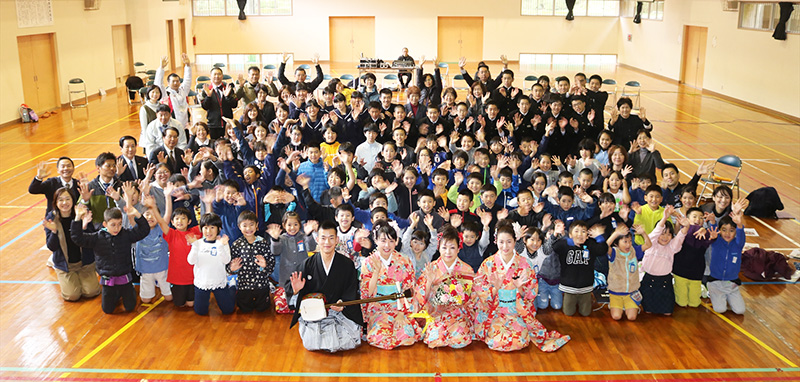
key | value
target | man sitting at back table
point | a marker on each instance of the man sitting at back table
(300, 75)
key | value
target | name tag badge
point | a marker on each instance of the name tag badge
(213, 251)
(570, 218)
(585, 253)
(301, 246)
(735, 259)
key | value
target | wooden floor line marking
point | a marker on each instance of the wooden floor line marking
(398, 375)
(114, 336)
(62, 145)
(750, 336)
(707, 379)
(723, 129)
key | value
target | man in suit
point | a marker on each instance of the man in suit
(300, 75)
(42, 185)
(151, 138)
(169, 153)
(218, 100)
(129, 165)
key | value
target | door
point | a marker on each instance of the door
(123, 58)
(171, 44)
(39, 76)
(694, 55)
(182, 31)
(351, 37)
(460, 37)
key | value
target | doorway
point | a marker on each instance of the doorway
(123, 53)
(460, 37)
(694, 55)
(182, 31)
(171, 44)
(350, 37)
(37, 60)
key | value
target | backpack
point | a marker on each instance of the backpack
(763, 203)
(27, 114)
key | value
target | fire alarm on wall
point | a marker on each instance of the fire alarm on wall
(629, 37)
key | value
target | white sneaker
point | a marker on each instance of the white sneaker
(50, 262)
(703, 291)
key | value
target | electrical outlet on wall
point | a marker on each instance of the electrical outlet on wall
(629, 37)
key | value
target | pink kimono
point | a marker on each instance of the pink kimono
(446, 297)
(505, 315)
(388, 322)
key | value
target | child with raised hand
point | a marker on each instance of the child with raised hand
(152, 254)
(577, 254)
(209, 256)
(112, 251)
(538, 247)
(419, 245)
(658, 294)
(290, 250)
(565, 210)
(726, 261)
(227, 205)
(472, 250)
(623, 273)
(649, 214)
(689, 263)
(615, 184)
(180, 274)
(252, 262)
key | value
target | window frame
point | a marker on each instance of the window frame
(556, 12)
(773, 17)
(235, 11)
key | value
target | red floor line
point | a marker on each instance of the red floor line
(22, 212)
(706, 379)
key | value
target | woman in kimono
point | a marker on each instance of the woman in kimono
(505, 311)
(443, 296)
(384, 272)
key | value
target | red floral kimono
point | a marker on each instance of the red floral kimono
(443, 297)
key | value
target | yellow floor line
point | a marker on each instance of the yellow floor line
(723, 129)
(114, 336)
(70, 142)
(750, 336)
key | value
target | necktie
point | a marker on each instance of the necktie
(132, 165)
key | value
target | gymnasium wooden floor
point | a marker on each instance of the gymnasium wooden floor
(45, 338)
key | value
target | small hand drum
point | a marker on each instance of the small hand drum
(312, 307)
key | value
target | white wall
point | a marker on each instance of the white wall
(744, 64)
(83, 43)
(411, 23)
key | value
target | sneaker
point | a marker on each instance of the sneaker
(50, 262)
(703, 291)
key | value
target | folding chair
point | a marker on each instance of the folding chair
(713, 179)
(631, 89)
(459, 77)
(530, 78)
(609, 81)
(446, 74)
(393, 80)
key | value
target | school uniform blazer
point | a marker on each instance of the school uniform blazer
(217, 108)
(651, 162)
(141, 165)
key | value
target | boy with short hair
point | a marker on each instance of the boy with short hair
(649, 214)
(228, 204)
(726, 262)
(526, 214)
(474, 185)
(426, 202)
(345, 216)
(577, 256)
(439, 179)
(369, 150)
(472, 250)
(112, 251)
(252, 262)
(565, 211)
(315, 169)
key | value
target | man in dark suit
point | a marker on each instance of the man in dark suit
(169, 153)
(129, 165)
(42, 185)
(218, 100)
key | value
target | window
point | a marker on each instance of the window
(651, 10)
(253, 8)
(539, 63)
(760, 16)
(238, 63)
(559, 8)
